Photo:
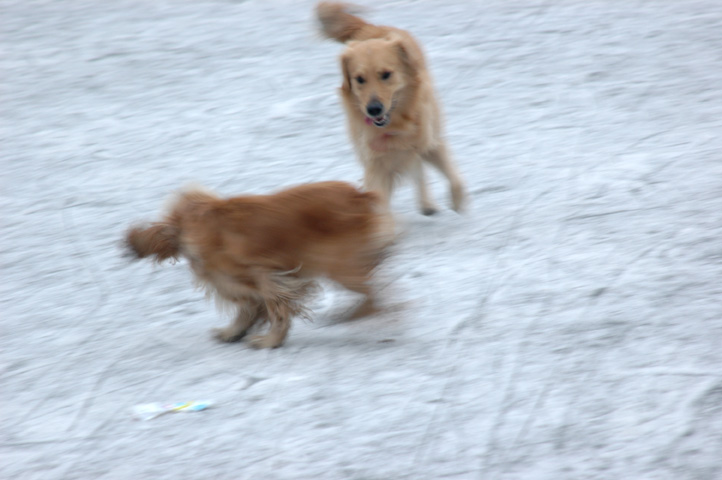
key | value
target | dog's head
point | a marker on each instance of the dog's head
(376, 72)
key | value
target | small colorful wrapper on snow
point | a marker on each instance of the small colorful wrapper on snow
(147, 411)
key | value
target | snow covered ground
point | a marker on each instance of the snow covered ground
(568, 326)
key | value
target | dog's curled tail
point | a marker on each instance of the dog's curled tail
(162, 240)
(337, 23)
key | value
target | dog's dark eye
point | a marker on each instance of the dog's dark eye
(360, 79)
(385, 75)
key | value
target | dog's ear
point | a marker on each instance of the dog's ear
(410, 55)
(345, 59)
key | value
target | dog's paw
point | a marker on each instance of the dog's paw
(264, 341)
(226, 335)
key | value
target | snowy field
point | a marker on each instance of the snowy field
(568, 326)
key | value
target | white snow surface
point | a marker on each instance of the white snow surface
(568, 326)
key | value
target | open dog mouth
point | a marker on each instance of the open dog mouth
(380, 121)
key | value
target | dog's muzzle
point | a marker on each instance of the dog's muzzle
(375, 114)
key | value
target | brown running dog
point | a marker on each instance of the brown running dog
(261, 254)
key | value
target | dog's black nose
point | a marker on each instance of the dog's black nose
(374, 108)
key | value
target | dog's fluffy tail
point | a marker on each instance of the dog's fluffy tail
(337, 23)
(162, 240)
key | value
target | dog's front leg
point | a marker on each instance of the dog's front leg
(426, 204)
(379, 179)
(439, 157)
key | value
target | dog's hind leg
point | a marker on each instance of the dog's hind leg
(279, 316)
(280, 293)
(439, 157)
(283, 294)
(249, 312)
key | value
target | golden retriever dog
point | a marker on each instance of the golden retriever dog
(262, 254)
(394, 119)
